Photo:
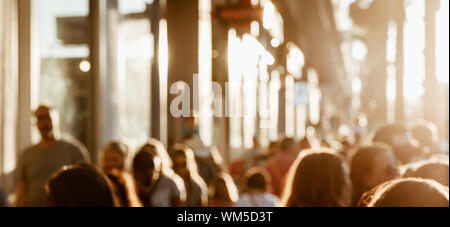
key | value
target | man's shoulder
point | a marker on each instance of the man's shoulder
(75, 147)
(72, 144)
(29, 150)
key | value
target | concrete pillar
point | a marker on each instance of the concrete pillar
(400, 100)
(98, 57)
(25, 73)
(156, 15)
(182, 22)
(431, 97)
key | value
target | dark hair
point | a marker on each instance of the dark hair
(191, 166)
(274, 144)
(428, 169)
(80, 185)
(120, 189)
(286, 143)
(186, 152)
(386, 134)
(425, 132)
(408, 153)
(143, 160)
(270, 149)
(228, 190)
(119, 148)
(410, 192)
(317, 178)
(361, 164)
(256, 178)
(304, 143)
(157, 149)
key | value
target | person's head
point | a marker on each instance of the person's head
(346, 146)
(304, 144)
(408, 153)
(190, 126)
(256, 180)
(80, 185)
(190, 122)
(425, 132)
(273, 148)
(324, 143)
(410, 192)
(392, 135)
(156, 148)
(371, 166)
(435, 170)
(318, 178)
(147, 167)
(114, 155)
(224, 188)
(256, 142)
(184, 163)
(46, 120)
(287, 145)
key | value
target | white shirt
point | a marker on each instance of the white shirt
(258, 200)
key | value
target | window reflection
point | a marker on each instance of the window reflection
(414, 47)
(135, 51)
(62, 37)
(442, 37)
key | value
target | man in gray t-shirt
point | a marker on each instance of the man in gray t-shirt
(40, 161)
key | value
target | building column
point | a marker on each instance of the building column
(183, 26)
(400, 99)
(155, 16)
(25, 71)
(431, 105)
(8, 93)
(98, 56)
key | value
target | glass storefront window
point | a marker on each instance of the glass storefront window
(8, 91)
(134, 53)
(63, 82)
(442, 37)
(205, 68)
(235, 79)
(414, 47)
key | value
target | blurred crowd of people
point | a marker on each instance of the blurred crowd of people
(393, 166)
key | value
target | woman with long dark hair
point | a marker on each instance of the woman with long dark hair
(113, 165)
(318, 178)
(185, 166)
(370, 167)
(224, 192)
(156, 183)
